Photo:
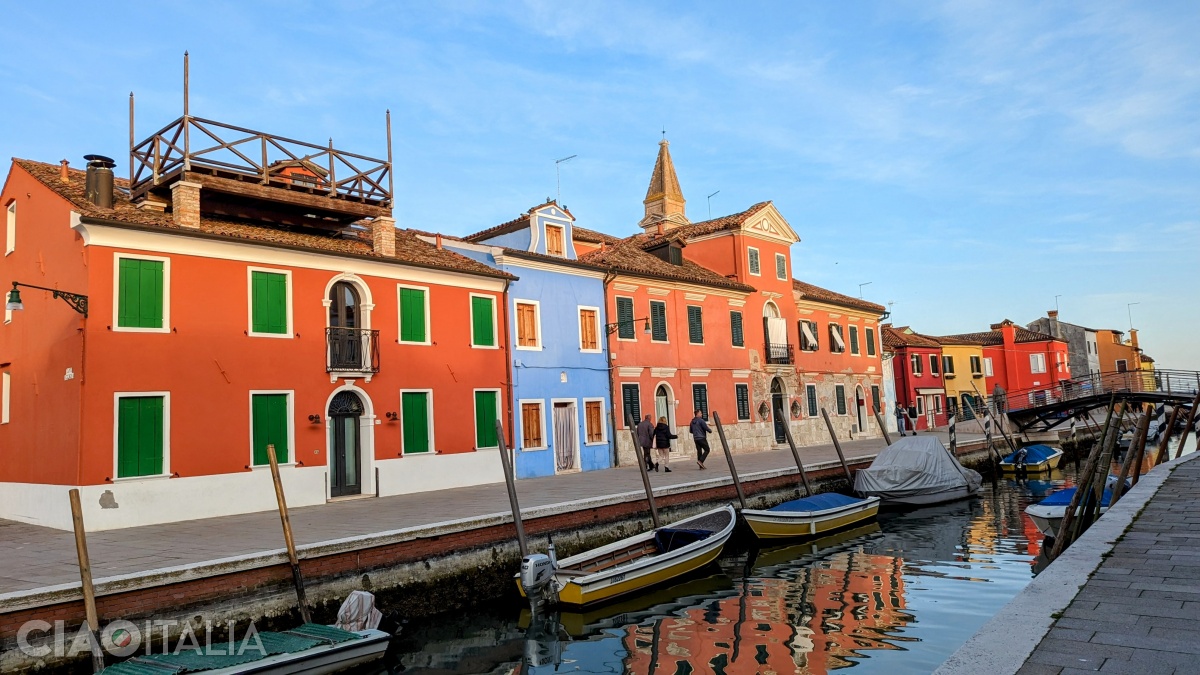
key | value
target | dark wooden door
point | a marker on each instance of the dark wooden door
(777, 405)
(345, 470)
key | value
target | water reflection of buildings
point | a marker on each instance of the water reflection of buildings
(800, 619)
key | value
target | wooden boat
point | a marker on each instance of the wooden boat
(811, 516)
(311, 649)
(643, 560)
(1047, 514)
(917, 471)
(1032, 459)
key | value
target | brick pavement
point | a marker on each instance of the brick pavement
(1138, 612)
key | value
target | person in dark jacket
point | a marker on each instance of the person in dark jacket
(645, 436)
(662, 441)
(700, 431)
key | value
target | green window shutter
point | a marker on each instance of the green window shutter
(812, 400)
(754, 263)
(742, 392)
(269, 427)
(870, 342)
(412, 315)
(485, 419)
(632, 403)
(414, 408)
(875, 397)
(735, 326)
(268, 292)
(625, 329)
(139, 436)
(695, 325)
(140, 293)
(853, 339)
(700, 399)
(658, 321)
(840, 392)
(781, 267)
(482, 322)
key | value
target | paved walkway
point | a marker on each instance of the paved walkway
(39, 558)
(1138, 612)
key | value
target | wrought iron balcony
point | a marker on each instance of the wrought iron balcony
(779, 354)
(353, 350)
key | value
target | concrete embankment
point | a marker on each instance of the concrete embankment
(417, 571)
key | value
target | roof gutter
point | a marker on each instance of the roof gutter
(93, 220)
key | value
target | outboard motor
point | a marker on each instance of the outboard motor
(537, 577)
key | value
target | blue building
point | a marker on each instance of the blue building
(556, 320)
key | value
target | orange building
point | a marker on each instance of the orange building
(231, 305)
(1118, 355)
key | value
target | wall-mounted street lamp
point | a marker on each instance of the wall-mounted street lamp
(610, 328)
(78, 302)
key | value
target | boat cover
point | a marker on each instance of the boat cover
(671, 538)
(1033, 454)
(188, 660)
(914, 465)
(1063, 498)
(821, 502)
(358, 612)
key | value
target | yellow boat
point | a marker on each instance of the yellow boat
(641, 561)
(811, 516)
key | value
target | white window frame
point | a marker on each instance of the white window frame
(689, 331)
(250, 270)
(833, 342)
(579, 326)
(937, 404)
(851, 343)
(603, 421)
(915, 366)
(578, 459)
(976, 360)
(633, 311)
(779, 257)
(116, 433)
(920, 406)
(1117, 365)
(475, 415)
(935, 365)
(537, 325)
(563, 240)
(428, 327)
(707, 402)
(666, 321)
(5, 396)
(10, 228)
(471, 320)
(987, 366)
(429, 415)
(1037, 363)
(749, 403)
(541, 404)
(621, 388)
(807, 412)
(291, 432)
(166, 293)
(750, 257)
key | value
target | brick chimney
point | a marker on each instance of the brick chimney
(1133, 341)
(185, 204)
(63, 174)
(1053, 316)
(383, 236)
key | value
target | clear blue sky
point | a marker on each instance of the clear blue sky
(972, 160)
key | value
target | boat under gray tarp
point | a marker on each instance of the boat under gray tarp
(917, 470)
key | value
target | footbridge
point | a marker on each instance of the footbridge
(1043, 408)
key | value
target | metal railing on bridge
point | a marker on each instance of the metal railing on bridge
(1181, 382)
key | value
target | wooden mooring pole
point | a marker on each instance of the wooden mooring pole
(1166, 436)
(882, 427)
(1134, 452)
(85, 579)
(297, 577)
(641, 462)
(787, 433)
(1091, 507)
(1060, 539)
(510, 483)
(837, 446)
(737, 482)
(1187, 428)
(992, 451)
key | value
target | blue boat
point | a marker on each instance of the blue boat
(1047, 514)
(1032, 459)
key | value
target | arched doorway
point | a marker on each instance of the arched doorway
(664, 405)
(345, 444)
(860, 404)
(777, 405)
(345, 322)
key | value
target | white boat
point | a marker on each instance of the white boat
(1047, 514)
(631, 564)
(916, 471)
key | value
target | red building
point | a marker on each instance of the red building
(917, 368)
(1015, 358)
(229, 307)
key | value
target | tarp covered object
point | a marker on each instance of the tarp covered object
(914, 465)
(1034, 454)
(821, 502)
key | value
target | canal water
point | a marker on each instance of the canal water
(895, 597)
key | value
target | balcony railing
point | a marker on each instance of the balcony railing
(353, 350)
(779, 354)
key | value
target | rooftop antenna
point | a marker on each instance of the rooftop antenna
(131, 141)
(710, 204)
(1056, 301)
(1129, 310)
(860, 287)
(187, 141)
(558, 177)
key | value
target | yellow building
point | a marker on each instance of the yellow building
(962, 374)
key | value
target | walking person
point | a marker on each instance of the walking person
(662, 441)
(645, 436)
(700, 432)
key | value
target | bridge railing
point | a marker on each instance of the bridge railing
(1133, 381)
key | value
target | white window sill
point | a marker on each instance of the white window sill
(519, 348)
(591, 351)
(485, 347)
(267, 467)
(126, 329)
(135, 479)
(427, 343)
(427, 453)
(284, 336)
(596, 443)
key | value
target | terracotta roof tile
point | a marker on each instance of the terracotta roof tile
(517, 223)
(733, 221)
(626, 255)
(896, 338)
(817, 294)
(592, 236)
(356, 242)
(992, 338)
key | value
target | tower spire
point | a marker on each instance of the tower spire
(664, 200)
